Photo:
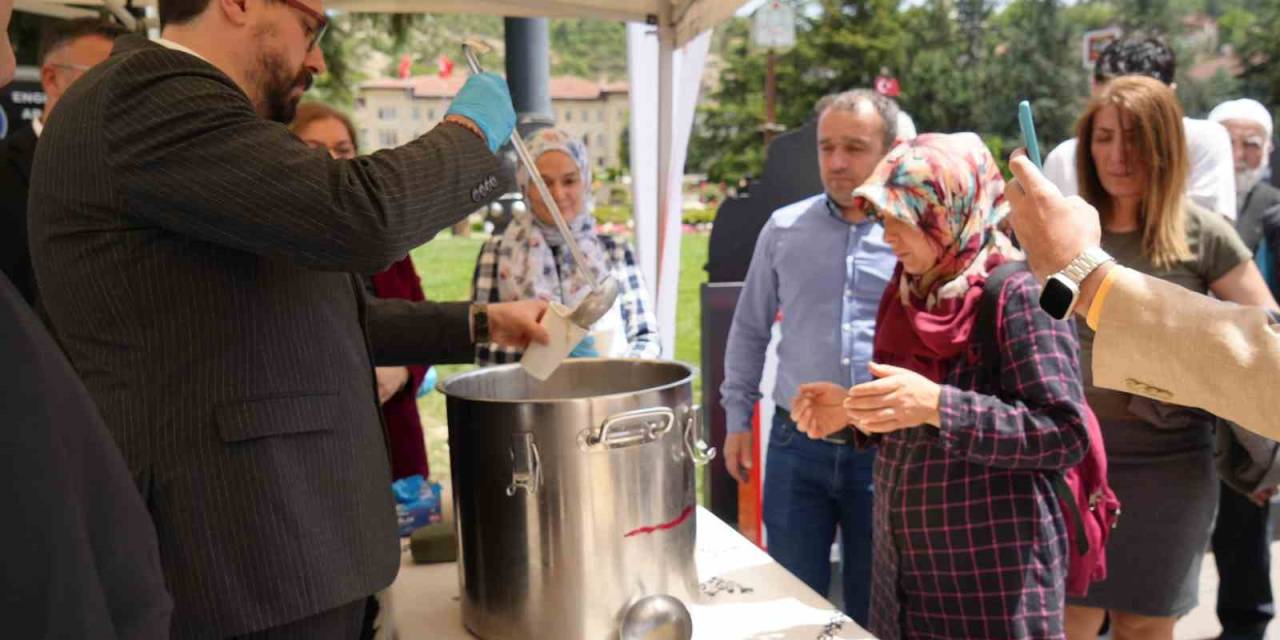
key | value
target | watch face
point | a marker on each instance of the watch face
(1058, 297)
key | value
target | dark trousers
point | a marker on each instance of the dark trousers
(810, 487)
(353, 621)
(1241, 547)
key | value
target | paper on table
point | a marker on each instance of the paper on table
(540, 360)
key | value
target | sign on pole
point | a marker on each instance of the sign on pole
(775, 26)
(21, 102)
(1095, 41)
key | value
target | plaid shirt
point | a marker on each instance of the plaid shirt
(969, 539)
(637, 314)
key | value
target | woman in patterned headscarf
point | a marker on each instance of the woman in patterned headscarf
(530, 260)
(969, 537)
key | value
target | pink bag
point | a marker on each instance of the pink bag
(1091, 509)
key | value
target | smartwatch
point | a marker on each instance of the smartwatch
(1061, 291)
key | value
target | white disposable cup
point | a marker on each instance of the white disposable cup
(541, 360)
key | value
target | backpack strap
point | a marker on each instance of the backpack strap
(988, 332)
(1068, 498)
(989, 315)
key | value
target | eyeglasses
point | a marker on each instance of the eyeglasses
(316, 32)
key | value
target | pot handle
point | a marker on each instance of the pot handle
(699, 451)
(633, 427)
(526, 465)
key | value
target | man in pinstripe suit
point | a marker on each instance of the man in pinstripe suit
(195, 261)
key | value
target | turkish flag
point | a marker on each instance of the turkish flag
(406, 66)
(887, 86)
(445, 66)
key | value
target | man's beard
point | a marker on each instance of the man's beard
(1249, 178)
(277, 85)
(275, 81)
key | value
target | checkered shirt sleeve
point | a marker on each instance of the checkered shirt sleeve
(637, 310)
(1040, 425)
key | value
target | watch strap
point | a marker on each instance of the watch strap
(1085, 263)
(480, 323)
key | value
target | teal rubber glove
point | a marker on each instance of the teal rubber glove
(585, 349)
(486, 101)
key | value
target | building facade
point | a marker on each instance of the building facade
(392, 111)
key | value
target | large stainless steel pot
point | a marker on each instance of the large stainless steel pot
(575, 496)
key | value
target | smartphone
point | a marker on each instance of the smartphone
(1028, 124)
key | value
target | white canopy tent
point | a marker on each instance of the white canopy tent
(667, 42)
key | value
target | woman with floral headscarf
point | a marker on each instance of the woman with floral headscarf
(530, 260)
(969, 538)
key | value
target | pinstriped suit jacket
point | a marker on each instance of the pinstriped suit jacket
(197, 261)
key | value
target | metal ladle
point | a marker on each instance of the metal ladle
(656, 617)
(603, 290)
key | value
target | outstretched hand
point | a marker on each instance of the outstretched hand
(897, 399)
(817, 409)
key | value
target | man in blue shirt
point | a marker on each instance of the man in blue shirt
(824, 266)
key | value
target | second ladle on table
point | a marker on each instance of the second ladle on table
(604, 289)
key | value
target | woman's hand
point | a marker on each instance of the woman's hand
(390, 381)
(816, 409)
(898, 399)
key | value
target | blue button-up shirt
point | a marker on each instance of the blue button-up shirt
(826, 275)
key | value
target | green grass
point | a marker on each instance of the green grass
(693, 255)
(445, 266)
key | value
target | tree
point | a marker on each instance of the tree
(1026, 66)
(1260, 54)
(1149, 16)
(839, 45)
(591, 49)
(965, 64)
(1198, 97)
(843, 46)
(727, 142)
(361, 45)
(940, 80)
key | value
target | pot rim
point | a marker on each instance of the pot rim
(686, 380)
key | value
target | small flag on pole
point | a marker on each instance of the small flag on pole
(887, 86)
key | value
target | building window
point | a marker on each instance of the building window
(386, 113)
(417, 113)
(568, 115)
(586, 117)
(431, 115)
(360, 102)
(600, 141)
(388, 138)
(599, 115)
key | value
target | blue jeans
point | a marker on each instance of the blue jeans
(1241, 547)
(810, 487)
